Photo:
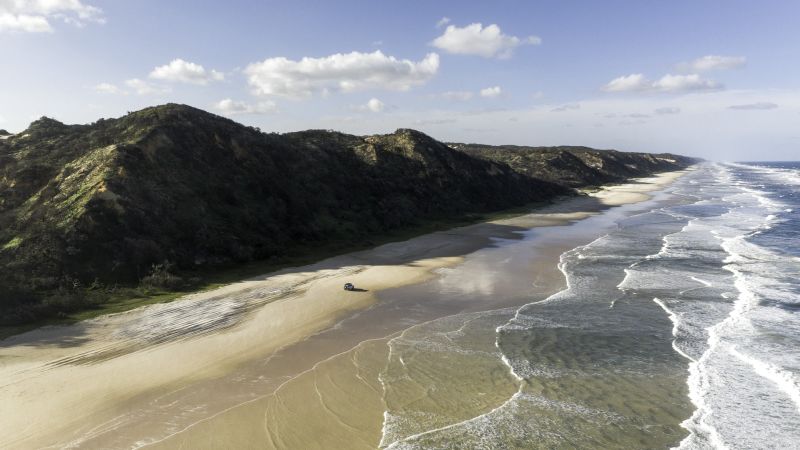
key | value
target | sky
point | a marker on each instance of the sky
(715, 79)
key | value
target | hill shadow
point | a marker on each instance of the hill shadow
(453, 242)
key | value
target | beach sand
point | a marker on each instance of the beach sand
(286, 360)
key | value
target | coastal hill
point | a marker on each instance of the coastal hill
(173, 190)
(576, 166)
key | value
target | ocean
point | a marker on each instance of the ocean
(679, 327)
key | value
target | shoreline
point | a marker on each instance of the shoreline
(214, 278)
(189, 341)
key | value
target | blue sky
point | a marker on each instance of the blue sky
(714, 79)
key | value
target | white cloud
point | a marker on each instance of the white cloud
(34, 16)
(668, 83)
(683, 83)
(442, 22)
(144, 88)
(627, 83)
(24, 22)
(460, 96)
(714, 62)
(666, 110)
(108, 88)
(230, 107)
(493, 91)
(185, 72)
(474, 39)
(343, 72)
(375, 105)
(754, 106)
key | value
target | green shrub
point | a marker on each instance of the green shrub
(160, 277)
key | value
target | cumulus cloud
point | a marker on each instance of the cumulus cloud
(230, 107)
(754, 106)
(568, 107)
(680, 83)
(35, 16)
(637, 82)
(142, 87)
(666, 110)
(182, 71)
(493, 91)
(627, 83)
(108, 88)
(25, 23)
(373, 105)
(714, 62)
(343, 72)
(474, 39)
(442, 22)
(461, 96)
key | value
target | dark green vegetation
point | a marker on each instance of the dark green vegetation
(577, 166)
(154, 202)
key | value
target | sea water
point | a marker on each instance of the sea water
(680, 327)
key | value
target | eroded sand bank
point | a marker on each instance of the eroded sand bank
(242, 366)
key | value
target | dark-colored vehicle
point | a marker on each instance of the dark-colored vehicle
(349, 287)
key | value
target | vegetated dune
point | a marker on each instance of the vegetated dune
(84, 207)
(576, 166)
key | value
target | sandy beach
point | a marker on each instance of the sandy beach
(244, 365)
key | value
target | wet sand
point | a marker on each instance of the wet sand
(287, 360)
